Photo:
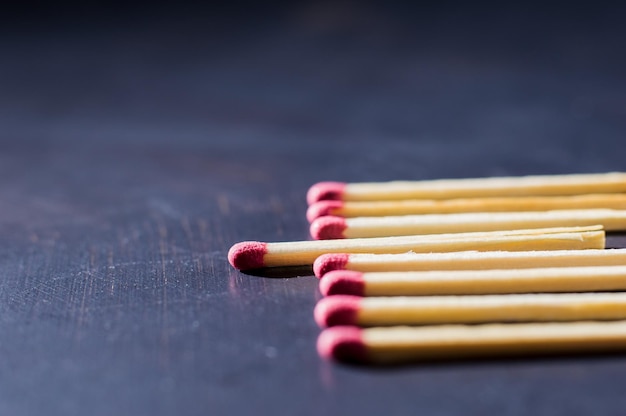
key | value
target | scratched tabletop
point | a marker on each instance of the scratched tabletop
(138, 143)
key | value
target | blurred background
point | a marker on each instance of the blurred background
(539, 83)
(139, 140)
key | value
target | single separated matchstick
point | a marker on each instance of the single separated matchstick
(397, 345)
(450, 206)
(474, 282)
(543, 185)
(467, 260)
(436, 310)
(326, 228)
(254, 254)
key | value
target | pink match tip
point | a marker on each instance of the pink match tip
(322, 209)
(337, 310)
(247, 255)
(328, 228)
(325, 190)
(343, 282)
(343, 343)
(329, 262)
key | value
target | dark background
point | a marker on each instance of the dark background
(139, 141)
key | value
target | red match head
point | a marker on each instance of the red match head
(328, 228)
(342, 282)
(325, 190)
(247, 255)
(344, 343)
(322, 209)
(328, 262)
(337, 310)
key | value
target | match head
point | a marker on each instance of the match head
(337, 310)
(328, 228)
(247, 255)
(322, 209)
(343, 282)
(343, 343)
(329, 262)
(325, 190)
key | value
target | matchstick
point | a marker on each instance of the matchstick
(451, 206)
(325, 228)
(467, 260)
(474, 282)
(397, 345)
(254, 255)
(542, 185)
(436, 310)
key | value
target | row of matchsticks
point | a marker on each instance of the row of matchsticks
(453, 269)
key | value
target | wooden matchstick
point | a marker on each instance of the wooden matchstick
(542, 185)
(397, 345)
(329, 227)
(254, 255)
(474, 282)
(467, 260)
(450, 206)
(435, 310)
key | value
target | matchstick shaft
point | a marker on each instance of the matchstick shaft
(493, 204)
(476, 282)
(485, 187)
(471, 260)
(305, 252)
(428, 310)
(363, 227)
(396, 345)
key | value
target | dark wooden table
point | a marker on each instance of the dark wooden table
(137, 147)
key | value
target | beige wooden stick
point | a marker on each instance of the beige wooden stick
(247, 255)
(467, 260)
(397, 345)
(475, 282)
(429, 310)
(450, 206)
(575, 184)
(363, 227)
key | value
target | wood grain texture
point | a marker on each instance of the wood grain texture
(136, 148)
